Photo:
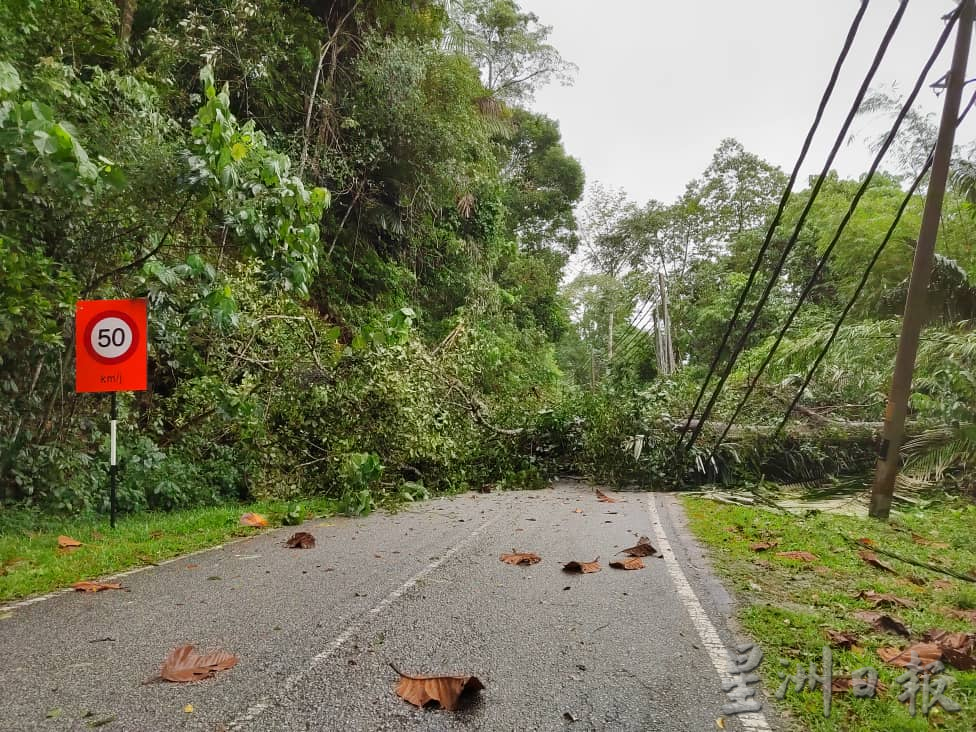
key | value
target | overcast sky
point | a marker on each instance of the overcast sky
(661, 82)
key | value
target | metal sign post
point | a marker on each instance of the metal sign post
(111, 354)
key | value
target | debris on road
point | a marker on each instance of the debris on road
(642, 548)
(300, 540)
(601, 496)
(95, 586)
(631, 563)
(184, 664)
(583, 567)
(445, 690)
(517, 557)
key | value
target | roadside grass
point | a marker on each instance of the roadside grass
(787, 605)
(31, 563)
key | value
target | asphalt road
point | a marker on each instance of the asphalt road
(422, 589)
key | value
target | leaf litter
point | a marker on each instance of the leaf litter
(446, 691)
(95, 586)
(184, 664)
(300, 540)
(582, 567)
(517, 557)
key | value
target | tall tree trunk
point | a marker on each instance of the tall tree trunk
(127, 11)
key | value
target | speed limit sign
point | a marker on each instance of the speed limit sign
(110, 345)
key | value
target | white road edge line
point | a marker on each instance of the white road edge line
(717, 652)
(260, 707)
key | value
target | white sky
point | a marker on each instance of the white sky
(661, 82)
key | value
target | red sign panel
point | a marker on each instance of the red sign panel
(111, 341)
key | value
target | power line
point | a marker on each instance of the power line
(906, 108)
(864, 278)
(635, 323)
(841, 136)
(828, 91)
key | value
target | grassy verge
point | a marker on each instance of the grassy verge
(789, 605)
(31, 563)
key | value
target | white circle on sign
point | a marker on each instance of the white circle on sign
(111, 337)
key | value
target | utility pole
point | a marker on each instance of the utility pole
(666, 317)
(889, 453)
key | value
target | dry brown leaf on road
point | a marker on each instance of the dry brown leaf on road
(300, 540)
(601, 496)
(872, 559)
(67, 543)
(253, 519)
(799, 556)
(631, 563)
(445, 690)
(880, 598)
(517, 557)
(883, 623)
(642, 548)
(184, 664)
(927, 653)
(95, 586)
(582, 567)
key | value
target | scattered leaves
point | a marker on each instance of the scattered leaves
(842, 684)
(96, 586)
(969, 615)
(872, 559)
(67, 543)
(841, 639)
(444, 690)
(582, 567)
(184, 664)
(864, 541)
(799, 556)
(300, 540)
(642, 548)
(879, 599)
(922, 541)
(942, 585)
(927, 653)
(188, 709)
(253, 519)
(517, 557)
(761, 546)
(883, 623)
(577, 510)
(601, 496)
(631, 563)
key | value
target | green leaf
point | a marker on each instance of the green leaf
(9, 79)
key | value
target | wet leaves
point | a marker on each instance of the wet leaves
(253, 519)
(840, 639)
(957, 648)
(95, 586)
(583, 567)
(883, 623)
(300, 540)
(445, 691)
(630, 563)
(517, 557)
(927, 653)
(879, 599)
(184, 664)
(922, 541)
(872, 559)
(843, 684)
(799, 556)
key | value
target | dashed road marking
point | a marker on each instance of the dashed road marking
(260, 707)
